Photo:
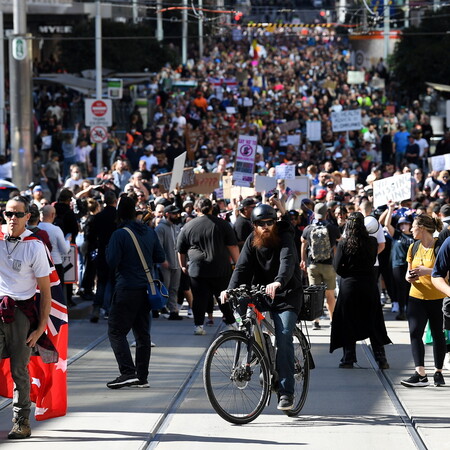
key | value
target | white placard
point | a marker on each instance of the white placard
(70, 265)
(263, 183)
(346, 120)
(299, 185)
(314, 130)
(177, 171)
(248, 102)
(348, 184)
(293, 139)
(230, 110)
(440, 162)
(285, 172)
(396, 188)
(355, 77)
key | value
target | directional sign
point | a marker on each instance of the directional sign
(98, 112)
(99, 134)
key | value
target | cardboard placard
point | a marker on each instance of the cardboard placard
(205, 183)
(227, 183)
(288, 126)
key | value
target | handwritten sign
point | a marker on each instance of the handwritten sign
(263, 183)
(346, 120)
(288, 126)
(355, 77)
(205, 183)
(293, 139)
(285, 171)
(314, 130)
(440, 162)
(396, 188)
(300, 186)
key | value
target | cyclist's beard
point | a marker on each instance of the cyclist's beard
(266, 238)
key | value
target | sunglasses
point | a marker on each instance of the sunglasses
(18, 214)
(265, 223)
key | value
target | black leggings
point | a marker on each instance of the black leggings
(419, 312)
(401, 287)
(203, 290)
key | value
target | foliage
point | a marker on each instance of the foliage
(125, 48)
(422, 53)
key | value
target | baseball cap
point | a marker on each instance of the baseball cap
(322, 193)
(320, 210)
(37, 188)
(248, 202)
(173, 209)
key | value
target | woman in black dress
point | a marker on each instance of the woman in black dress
(358, 314)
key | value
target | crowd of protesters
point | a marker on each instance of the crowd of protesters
(252, 87)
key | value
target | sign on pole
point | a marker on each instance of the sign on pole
(99, 134)
(245, 161)
(98, 112)
(19, 48)
(346, 120)
(396, 188)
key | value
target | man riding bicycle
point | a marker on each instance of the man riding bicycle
(269, 253)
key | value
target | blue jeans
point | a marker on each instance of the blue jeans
(284, 322)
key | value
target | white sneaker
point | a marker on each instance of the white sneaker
(382, 298)
(395, 307)
(190, 314)
(199, 330)
(152, 344)
(447, 361)
(232, 327)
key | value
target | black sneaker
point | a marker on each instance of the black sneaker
(174, 316)
(416, 381)
(345, 365)
(141, 384)
(316, 326)
(123, 381)
(286, 402)
(438, 379)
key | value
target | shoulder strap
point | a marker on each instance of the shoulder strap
(144, 263)
(414, 249)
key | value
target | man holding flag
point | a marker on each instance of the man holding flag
(24, 264)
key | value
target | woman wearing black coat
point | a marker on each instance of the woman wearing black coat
(358, 314)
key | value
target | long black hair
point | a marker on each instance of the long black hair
(356, 234)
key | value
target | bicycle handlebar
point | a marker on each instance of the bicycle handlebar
(243, 295)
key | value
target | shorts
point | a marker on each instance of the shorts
(322, 273)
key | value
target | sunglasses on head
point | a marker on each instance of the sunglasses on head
(265, 223)
(18, 214)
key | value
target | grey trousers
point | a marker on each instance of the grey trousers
(13, 338)
(171, 279)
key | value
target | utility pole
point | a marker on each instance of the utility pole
(200, 28)
(387, 29)
(98, 74)
(21, 104)
(135, 12)
(159, 22)
(2, 88)
(184, 33)
(407, 12)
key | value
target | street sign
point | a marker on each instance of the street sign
(19, 48)
(99, 134)
(98, 112)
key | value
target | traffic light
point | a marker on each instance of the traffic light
(238, 16)
(322, 13)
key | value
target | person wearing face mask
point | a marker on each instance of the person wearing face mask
(167, 231)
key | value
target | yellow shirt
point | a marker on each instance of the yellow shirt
(423, 288)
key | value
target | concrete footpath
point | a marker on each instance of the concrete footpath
(348, 409)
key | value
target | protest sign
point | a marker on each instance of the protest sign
(355, 77)
(396, 188)
(165, 178)
(205, 183)
(288, 126)
(293, 139)
(348, 184)
(346, 120)
(245, 161)
(300, 186)
(266, 184)
(230, 110)
(240, 191)
(227, 183)
(314, 130)
(285, 171)
(177, 171)
(70, 265)
(440, 162)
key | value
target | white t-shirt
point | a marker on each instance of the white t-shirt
(60, 247)
(379, 235)
(21, 263)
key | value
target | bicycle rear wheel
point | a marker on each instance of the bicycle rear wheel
(237, 393)
(302, 368)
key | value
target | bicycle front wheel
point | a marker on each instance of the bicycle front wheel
(301, 374)
(237, 393)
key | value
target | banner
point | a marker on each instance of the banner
(346, 120)
(396, 188)
(245, 161)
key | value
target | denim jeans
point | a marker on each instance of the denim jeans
(284, 322)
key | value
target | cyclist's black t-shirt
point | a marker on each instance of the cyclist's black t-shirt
(205, 240)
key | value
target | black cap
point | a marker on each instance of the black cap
(248, 202)
(172, 209)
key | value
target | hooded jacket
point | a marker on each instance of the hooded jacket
(123, 258)
(167, 234)
(266, 265)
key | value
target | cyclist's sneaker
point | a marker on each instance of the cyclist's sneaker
(122, 381)
(190, 314)
(199, 330)
(316, 325)
(141, 384)
(286, 402)
(438, 379)
(416, 381)
(165, 313)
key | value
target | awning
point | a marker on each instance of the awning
(439, 87)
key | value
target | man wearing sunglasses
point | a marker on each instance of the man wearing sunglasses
(23, 265)
(269, 255)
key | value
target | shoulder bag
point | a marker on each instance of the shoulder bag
(158, 295)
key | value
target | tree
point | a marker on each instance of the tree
(422, 54)
(125, 48)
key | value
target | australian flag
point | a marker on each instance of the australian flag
(48, 380)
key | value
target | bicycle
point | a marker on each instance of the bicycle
(239, 372)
